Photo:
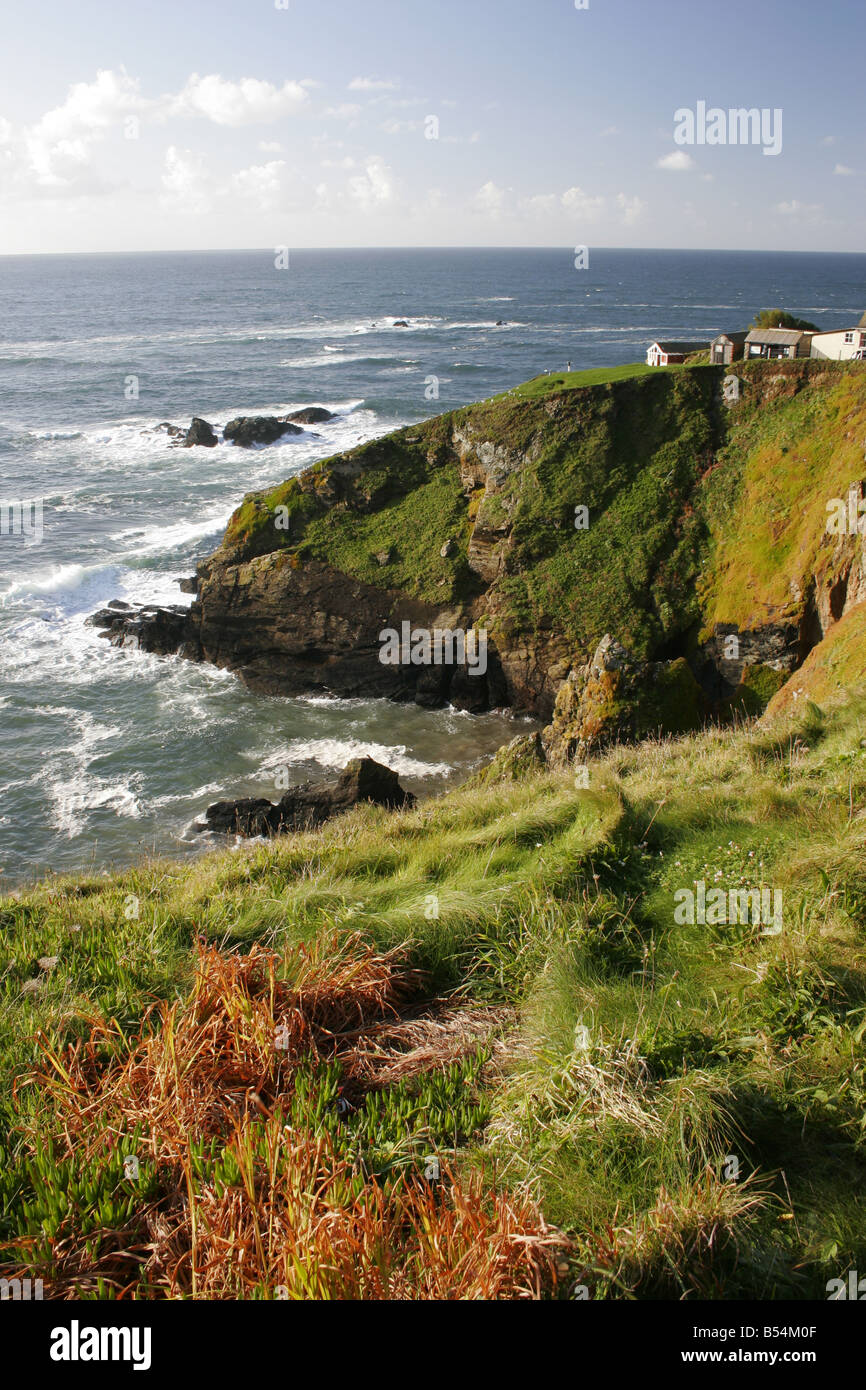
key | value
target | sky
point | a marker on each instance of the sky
(229, 124)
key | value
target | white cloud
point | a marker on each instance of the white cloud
(345, 112)
(185, 180)
(270, 147)
(582, 205)
(490, 199)
(401, 127)
(795, 208)
(248, 102)
(631, 209)
(57, 148)
(843, 170)
(261, 182)
(677, 162)
(372, 84)
(541, 205)
(374, 186)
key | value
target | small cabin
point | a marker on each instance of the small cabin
(773, 343)
(727, 348)
(669, 353)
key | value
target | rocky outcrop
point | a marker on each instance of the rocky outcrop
(310, 415)
(616, 698)
(547, 518)
(289, 630)
(161, 631)
(308, 806)
(249, 430)
(200, 435)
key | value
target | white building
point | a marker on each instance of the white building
(842, 344)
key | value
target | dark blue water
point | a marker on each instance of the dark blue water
(106, 754)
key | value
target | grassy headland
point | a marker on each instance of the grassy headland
(494, 980)
(469, 1050)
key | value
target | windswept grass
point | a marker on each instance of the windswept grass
(292, 1040)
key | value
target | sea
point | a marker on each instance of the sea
(107, 756)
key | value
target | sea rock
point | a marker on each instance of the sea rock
(401, 323)
(200, 435)
(310, 415)
(310, 805)
(186, 586)
(248, 430)
(162, 631)
(166, 427)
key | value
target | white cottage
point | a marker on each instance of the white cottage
(841, 344)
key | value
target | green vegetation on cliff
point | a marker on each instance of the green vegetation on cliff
(633, 502)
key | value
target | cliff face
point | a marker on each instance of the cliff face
(475, 519)
(688, 529)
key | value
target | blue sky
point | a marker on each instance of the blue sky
(238, 123)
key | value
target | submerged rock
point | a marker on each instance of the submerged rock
(308, 806)
(248, 430)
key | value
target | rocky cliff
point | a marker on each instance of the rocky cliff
(642, 553)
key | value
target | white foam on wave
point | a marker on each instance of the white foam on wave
(335, 753)
(162, 540)
(50, 579)
(71, 789)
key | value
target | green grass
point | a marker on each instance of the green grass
(648, 1062)
(541, 386)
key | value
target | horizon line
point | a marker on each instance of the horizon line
(305, 250)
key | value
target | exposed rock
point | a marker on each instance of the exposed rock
(162, 631)
(289, 629)
(310, 805)
(186, 586)
(448, 549)
(615, 697)
(310, 415)
(174, 431)
(731, 653)
(401, 323)
(384, 558)
(248, 430)
(200, 434)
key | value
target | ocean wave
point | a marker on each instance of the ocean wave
(335, 753)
